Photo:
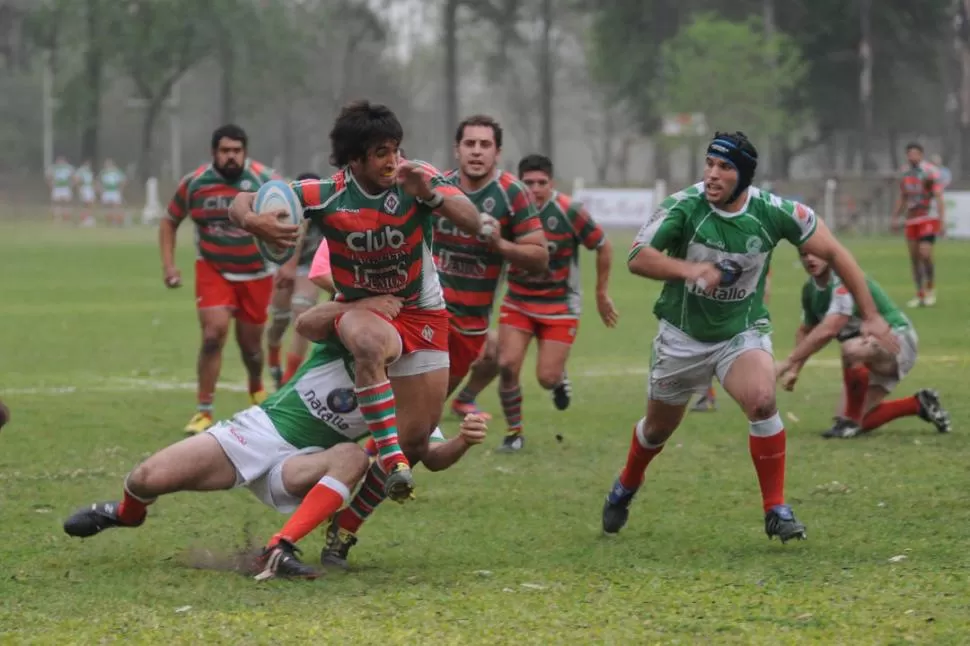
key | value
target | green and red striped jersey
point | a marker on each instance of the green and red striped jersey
(556, 293)
(204, 195)
(379, 244)
(469, 271)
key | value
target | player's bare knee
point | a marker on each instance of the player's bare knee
(350, 463)
(549, 379)
(855, 351)
(148, 479)
(414, 446)
(508, 368)
(213, 338)
(760, 403)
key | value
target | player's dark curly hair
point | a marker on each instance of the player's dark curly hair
(229, 131)
(360, 127)
(480, 120)
(535, 162)
(302, 177)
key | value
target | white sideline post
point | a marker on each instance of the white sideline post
(153, 207)
(578, 185)
(829, 203)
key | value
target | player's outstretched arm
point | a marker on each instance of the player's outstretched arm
(442, 455)
(817, 338)
(787, 372)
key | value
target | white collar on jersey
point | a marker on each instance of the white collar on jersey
(742, 211)
(360, 188)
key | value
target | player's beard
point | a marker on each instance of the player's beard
(230, 171)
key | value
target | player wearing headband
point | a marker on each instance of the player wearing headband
(710, 245)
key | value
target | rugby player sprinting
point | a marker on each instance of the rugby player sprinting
(231, 278)
(470, 267)
(711, 246)
(546, 306)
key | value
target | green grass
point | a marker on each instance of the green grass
(500, 549)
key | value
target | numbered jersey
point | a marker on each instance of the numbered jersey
(819, 301)
(379, 244)
(469, 271)
(204, 196)
(556, 293)
(688, 227)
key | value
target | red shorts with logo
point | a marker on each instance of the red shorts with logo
(922, 229)
(463, 350)
(248, 299)
(419, 329)
(561, 330)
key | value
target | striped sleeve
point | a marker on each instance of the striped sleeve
(587, 231)
(522, 217)
(178, 207)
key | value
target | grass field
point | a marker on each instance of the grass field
(98, 368)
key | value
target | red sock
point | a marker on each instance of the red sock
(132, 511)
(888, 411)
(710, 393)
(293, 363)
(856, 380)
(273, 358)
(768, 455)
(637, 460)
(255, 384)
(326, 497)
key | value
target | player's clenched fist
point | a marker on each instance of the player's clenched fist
(703, 274)
(473, 429)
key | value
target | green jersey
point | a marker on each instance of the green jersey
(111, 179)
(85, 176)
(62, 175)
(688, 227)
(819, 301)
(318, 406)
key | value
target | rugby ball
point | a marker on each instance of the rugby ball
(276, 195)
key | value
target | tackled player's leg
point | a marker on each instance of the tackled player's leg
(312, 486)
(196, 463)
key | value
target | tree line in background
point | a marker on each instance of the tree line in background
(849, 78)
